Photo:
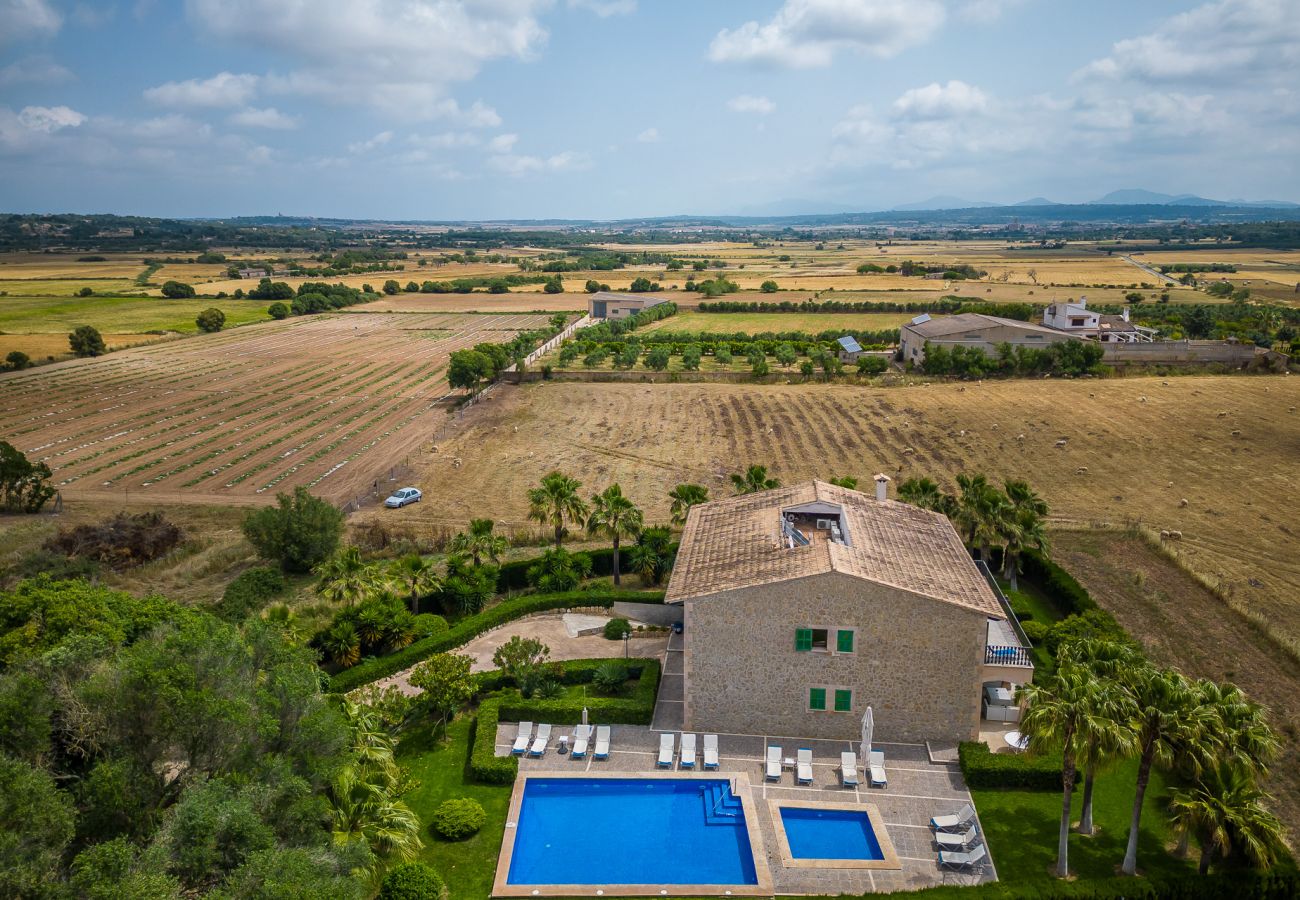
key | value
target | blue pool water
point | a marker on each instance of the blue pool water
(829, 834)
(631, 831)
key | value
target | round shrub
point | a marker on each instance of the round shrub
(616, 628)
(412, 881)
(426, 624)
(1035, 631)
(458, 818)
(277, 310)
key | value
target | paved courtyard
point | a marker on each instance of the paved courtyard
(918, 789)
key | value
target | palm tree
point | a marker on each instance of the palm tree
(1242, 727)
(1059, 706)
(556, 502)
(614, 516)
(1227, 813)
(1105, 739)
(416, 577)
(925, 493)
(1022, 528)
(342, 645)
(753, 480)
(683, 497)
(981, 511)
(845, 481)
(363, 793)
(480, 541)
(345, 577)
(1168, 722)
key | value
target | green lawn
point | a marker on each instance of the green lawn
(439, 767)
(120, 315)
(1021, 828)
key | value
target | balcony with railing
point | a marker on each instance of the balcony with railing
(1005, 643)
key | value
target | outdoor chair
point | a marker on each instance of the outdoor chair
(602, 742)
(541, 741)
(687, 759)
(968, 860)
(522, 738)
(710, 751)
(666, 742)
(952, 841)
(876, 763)
(803, 766)
(581, 737)
(960, 819)
(849, 768)
(774, 763)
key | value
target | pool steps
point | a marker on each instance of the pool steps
(721, 806)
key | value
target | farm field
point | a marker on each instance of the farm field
(330, 402)
(121, 315)
(477, 302)
(1126, 459)
(757, 323)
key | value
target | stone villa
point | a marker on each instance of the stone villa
(805, 604)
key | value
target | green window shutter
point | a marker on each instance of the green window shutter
(844, 641)
(803, 639)
(843, 700)
(817, 698)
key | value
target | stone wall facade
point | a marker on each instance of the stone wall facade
(917, 661)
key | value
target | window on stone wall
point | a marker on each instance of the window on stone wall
(817, 698)
(809, 639)
(843, 700)
(844, 639)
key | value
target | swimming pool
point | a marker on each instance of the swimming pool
(830, 834)
(612, 832)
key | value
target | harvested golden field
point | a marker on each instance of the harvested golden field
(41, 346)
(477, 302)
(1135, 448)
(66, 265)
(412, 272)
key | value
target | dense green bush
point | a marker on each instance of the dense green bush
(610, 677)
(249, 592)
(1059, 585)
(982, 768)
(176, 290)
(300, 532)
(427, 625)
(1035, 631)
(412, 881)
(616, 628)
(471, 627)
(559, 570)
(458, 818)
(277, 311)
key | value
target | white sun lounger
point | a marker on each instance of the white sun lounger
(953, 822)
(774, 763)
(581, 737)
(876, 763)
(541, 741)
(803, 766)
(948, 841)
(687, 759)
(969, 859)
(849, 768)
(602, 742)
(522, 738)
(666, 742)
(710, 751)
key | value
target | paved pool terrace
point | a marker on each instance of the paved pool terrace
(918, 789)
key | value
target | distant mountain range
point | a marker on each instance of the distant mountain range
(1126, 197)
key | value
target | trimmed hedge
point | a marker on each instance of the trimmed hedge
(1059, 585)
(982, 768)
(471, 627)
(513, 576)
(485, 766)
(1240, 885)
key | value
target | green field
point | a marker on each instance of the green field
(119, 315)
(757, 323)
(64, 287)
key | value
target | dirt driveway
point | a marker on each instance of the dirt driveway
(549, 629)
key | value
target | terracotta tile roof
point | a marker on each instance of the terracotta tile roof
(736, 542)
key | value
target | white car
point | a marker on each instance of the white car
(402, 497)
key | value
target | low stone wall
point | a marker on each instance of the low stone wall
(651, 613)
(1183, 353)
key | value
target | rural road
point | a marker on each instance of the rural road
(1150, 271)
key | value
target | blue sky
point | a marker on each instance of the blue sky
(617, 108)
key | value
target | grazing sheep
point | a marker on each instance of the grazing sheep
(908, 451)
(1061, 443)
(1223, 415)
(1182, 502)
(455, 463)
(1082, 470)
(1020, 437)
(1236, 432)
(1164, 535)
(1175, 535)
(1170, 484)
(962, 432)
(1142, 399)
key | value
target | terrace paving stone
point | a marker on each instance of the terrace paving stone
(918, 789)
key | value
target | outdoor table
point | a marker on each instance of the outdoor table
(564, 744)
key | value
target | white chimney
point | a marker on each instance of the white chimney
(882, 486)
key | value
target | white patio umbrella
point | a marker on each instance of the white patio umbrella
(868, 725)
(584, 715)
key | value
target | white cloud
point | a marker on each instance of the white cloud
(270, 117)
(398, 56)
(1221, 41)
(503, 143)
(34, 70)
(517, 165)
(373, 143)
(649, 136)
(746, 103)
(222, 90)
(444, 141)
(605, 8)
(49, 118)
(24, 19)
(808, 33)
(940, 101)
